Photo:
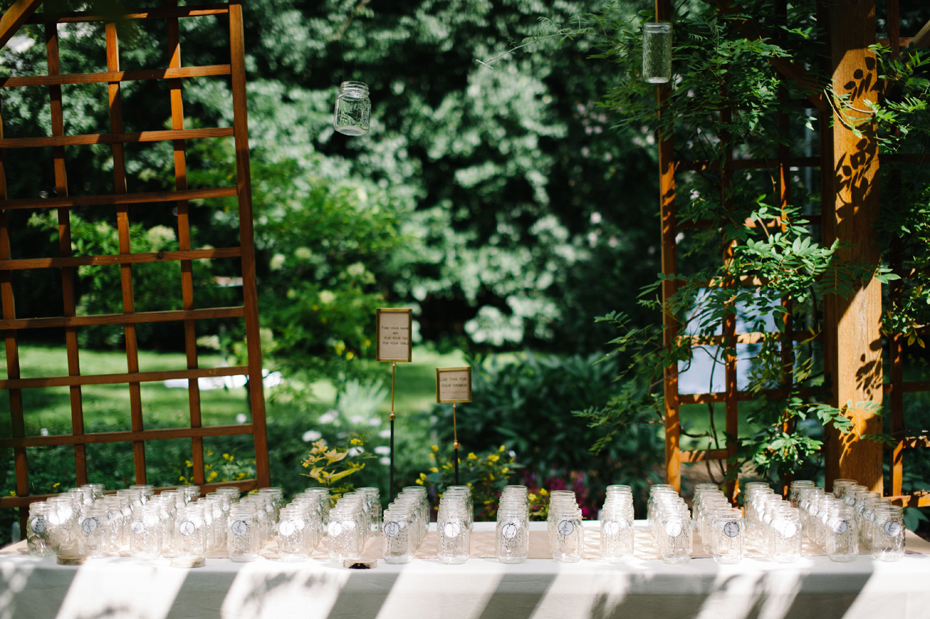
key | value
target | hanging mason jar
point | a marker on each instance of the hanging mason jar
(657, 52)
(353, 108)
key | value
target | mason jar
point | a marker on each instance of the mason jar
(145, 532)
(396, 541)
(657, 52)
(842, 535)
(353, 109)
(39, 530)
(243, 532)
(512, 532)
(728, 535)
(292, 527)
(190, 531)
(888, 533)
(95, 530)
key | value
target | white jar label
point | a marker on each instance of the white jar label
(731, 529)
(89, 525)
(509, 531)
(892, 528)
(673, 528)
(239, 528)
(451, 529)
(566, 528)
(610, 528)
(287, 528)
(137, 527)
(38, 525)
(840, 527)
(187, 528)
(391, 529)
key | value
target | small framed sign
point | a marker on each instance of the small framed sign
(453, 385)
(393, 335)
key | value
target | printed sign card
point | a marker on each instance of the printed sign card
(453, 385)
(393, 335)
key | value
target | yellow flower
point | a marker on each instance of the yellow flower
(356, 441)
(502, 449)
(420, 482)
(188, 464)
(209, 453)
(56, 484)
(493, 458)
(433, 469)
(505, 470)
(490, 477)
(543, 492)
(531, 497)
(211, 476)
(227, 457)
(472, 456)
(208, 467)
(306, 464)
(435, 448)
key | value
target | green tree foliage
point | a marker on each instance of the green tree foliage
(507, 197)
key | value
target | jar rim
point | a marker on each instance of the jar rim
(349, 86)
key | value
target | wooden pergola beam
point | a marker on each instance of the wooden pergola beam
(923, 37)
(15, 17)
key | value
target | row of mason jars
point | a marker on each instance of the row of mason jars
(616, 521)
(564, 527)
(354, 518)
(669, 522)
(88, 521)
(405, 522)
(850, 518)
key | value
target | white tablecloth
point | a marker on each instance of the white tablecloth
(119, 587)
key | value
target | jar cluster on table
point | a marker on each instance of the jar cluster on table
(182, 524)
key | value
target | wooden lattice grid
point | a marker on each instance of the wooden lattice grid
(125, 259)
(783, 162)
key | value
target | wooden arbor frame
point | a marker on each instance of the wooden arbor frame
(23, 12)
(849, 207)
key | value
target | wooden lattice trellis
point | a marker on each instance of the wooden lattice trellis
(847, 344)
(23, 12)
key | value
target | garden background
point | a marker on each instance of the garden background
(496, 194)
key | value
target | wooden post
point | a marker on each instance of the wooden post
(125, 270)
(856, 350)
(669, 265)
(247, 240)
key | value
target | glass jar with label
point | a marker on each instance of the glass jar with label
(841, 533)
(145, 532)
(888, 533)
(39, 530)
(94, 526)
(190, 531)
(243, 534)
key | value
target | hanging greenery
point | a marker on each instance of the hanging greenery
(726, 92)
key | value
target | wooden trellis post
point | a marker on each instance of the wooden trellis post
(855, 366)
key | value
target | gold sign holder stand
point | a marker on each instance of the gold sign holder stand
(392, 327)
(453, 385)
